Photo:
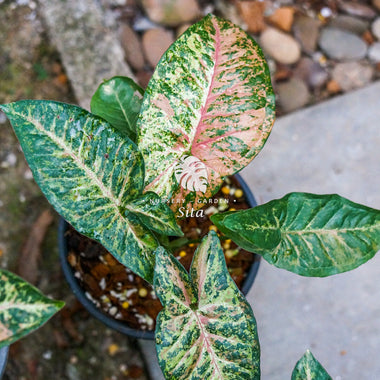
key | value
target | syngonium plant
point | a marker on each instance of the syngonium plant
(123, 173)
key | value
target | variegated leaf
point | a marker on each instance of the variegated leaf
(308, 234)
(90, 173)
(118, 100)
(210, 98)
(207, 329)
(153, 211)
(23, 308)
(309, 368)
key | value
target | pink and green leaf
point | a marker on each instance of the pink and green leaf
(23, 308)
(207, 329)
(210, 98)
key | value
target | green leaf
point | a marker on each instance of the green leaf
(309, 368)
(206, 113)
(207, 329)
(23, 308)
(118, 101)
(308, 234)
(90, 173)
(155, 214)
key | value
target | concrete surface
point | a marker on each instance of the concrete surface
(329, 148)
(89, 50)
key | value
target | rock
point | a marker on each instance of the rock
(352, 75)
(131, 44)
(311, 73)
(252, 14)
(374, 52)
(181, 29)
(333, 87)
(280, 46)
(349, 23)
(376, 28)
(283, 18)
(155, 43)
(171, 12)
(143, 78)
(306, 31)
(376, 4)
(357, 9)
(341, 45)
(229, 11)
(292, 94)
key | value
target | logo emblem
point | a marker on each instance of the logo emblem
(191, 174)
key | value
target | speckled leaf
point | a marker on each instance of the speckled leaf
(210, 100)
(308, 234)
(207, 329)
(309, 368)
(155, 214)
(118, 101)
(89, 173)
(23, 308)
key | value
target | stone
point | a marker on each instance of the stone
(292, 94)
(352, 75)
(171, 12)
(182, 29)
(375, 27)
(282, 18)
(252, 14)
(357, 9)
(131, 44)
(280, 46)
(306, 31)
(89, 50)
(342, 45)
(333, 87)
(374, 52)
(311, 73)
(229, 11)
(155, 43)
(376, 4)
(349, 23)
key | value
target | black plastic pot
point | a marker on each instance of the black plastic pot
(108, 320)
(3, 359)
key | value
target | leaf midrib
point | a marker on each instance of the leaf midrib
(107, 193)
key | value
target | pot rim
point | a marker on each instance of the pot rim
(121, 326)
(3, 359)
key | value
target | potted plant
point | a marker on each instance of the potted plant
(123, 174)
(124, 301)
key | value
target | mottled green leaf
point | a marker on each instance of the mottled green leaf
(118, 101)
(309, 368)
(90, 173)
(23, 308)
(155, 214)
(207, 111)
(308, 234)
(207, 329)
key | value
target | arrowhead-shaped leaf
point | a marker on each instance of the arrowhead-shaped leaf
(118, 101)
(155, 214)
(309, 368)
(207, 329)
(308, 234)
(207, 111)
(91, 174)
(23, 308)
